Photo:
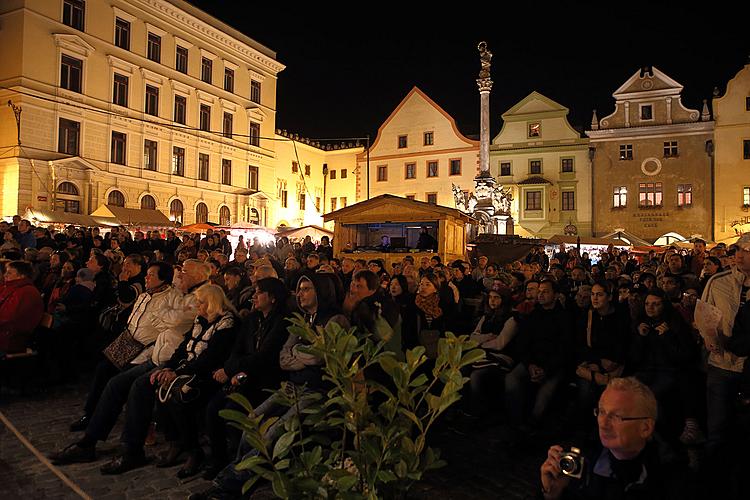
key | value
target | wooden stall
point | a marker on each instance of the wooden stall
(359, 229)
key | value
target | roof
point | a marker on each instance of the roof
(133, 216)
(405, 206)
(37, 215)
(535, 180)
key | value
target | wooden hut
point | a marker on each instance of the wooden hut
(359, 229)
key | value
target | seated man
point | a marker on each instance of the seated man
(21, 307)
(626, 463)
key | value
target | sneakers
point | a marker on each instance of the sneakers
(73, 454)
(122, 464)
(80, 424)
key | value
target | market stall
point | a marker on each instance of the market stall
(59, 219)
(135, 219)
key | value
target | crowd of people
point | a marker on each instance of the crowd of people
(606, 344)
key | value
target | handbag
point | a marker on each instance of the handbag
(179, 390)
(123, 349)
(109, 316)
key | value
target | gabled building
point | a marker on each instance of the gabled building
(419, 153)
(652, 157)
(732, 157)
(546, 164)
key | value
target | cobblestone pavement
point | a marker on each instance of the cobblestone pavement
(479, 466)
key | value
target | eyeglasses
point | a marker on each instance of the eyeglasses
(614, 417)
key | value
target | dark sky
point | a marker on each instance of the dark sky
(347, 67)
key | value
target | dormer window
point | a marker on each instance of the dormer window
(647, 112)
(535, 129)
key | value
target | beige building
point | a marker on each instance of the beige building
(148, 104)
(732, 157)
(652, 162)
(419, 154)
(546, 164)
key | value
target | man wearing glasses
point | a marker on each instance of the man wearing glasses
(626, 463)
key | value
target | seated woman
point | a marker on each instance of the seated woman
(64, 283)
(433, 313)
(203, 351)
(404, 299)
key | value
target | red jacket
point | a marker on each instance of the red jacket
(20, 312)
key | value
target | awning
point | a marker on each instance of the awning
(198, 228)
(314, 232)
(133, 216)
(39, 216)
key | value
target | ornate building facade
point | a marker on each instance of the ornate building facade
(652, 161)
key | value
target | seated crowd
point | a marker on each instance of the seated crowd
(171, 325)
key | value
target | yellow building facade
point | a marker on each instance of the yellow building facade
(148, 104)
(732, 158)
(546, 164)
(419, 154)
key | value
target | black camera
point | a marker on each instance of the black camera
(571, 463)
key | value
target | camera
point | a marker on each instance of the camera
(571, 463)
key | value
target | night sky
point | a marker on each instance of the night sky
(348, 67)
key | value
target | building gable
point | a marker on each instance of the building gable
(535, 109)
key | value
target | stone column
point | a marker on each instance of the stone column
(484, 82)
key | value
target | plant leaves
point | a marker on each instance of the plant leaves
(280, 485)
(386, 476)
(282, 445)
(472, 357)
(346, 482)
(249, 462)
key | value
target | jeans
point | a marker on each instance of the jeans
(722, 387)
(141, 399)
(104, 372)
(518, 384)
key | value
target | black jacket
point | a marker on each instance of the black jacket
(543, 338)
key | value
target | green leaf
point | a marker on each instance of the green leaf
(400, 469)
(280, 485)
(346, 482)
(386, 476)
(472, 357)
(242, 401)
(411, 416)
(419, 381)
(282, 445)
(250, 462)
(249, 484)
(282, 464)
(267, 425)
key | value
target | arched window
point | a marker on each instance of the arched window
(175, 211)
(116, 198)
(254, 215)
(64, 200)
(201, 213)
(148, 202)
(225, 217)
(67, 188)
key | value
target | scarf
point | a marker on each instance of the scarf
(429, 305)
(158, 289)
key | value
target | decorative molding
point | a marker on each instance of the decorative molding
(205, 97)
(180, 87)
(231, 65)
(655, 171)
(228, 105)
(255, 114)
(73, 43)
(254, 75)
(155, 30)
(127, 16)
(151, 77)
(207, 54)
(689, 128)
(182, 42)
(121, 64)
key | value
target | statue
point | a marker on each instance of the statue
(485, 57)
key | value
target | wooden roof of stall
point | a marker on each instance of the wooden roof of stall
(390, 208)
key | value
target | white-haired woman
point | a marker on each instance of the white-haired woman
(204, 350)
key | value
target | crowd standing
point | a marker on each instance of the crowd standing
(605, 345)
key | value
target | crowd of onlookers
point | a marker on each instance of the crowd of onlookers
(196, 318)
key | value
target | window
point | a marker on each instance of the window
(71, 73)
(670, 149)
(252, 178)
(566, 165)
(175, 211)
(332, 174)
(153, 50)
(432, 169)
(149, 154)
(455, 167)
(535, 167)
(343, 201)
(255, 91)
(120, 90)
(119, 140)
(180, 108)
(343, 173)
(225, 216)
(535, 129)
(746, 149)
(432, 198)
(307, 170)
(284, 198)
(382, 173)
(148, 202)
(647, 112)
(746, 196)
(178, 161)
(69, 136)
(626, 151)
(533, 200)
(684, 195)
(207, 67)
(227, 124)
(747, 103)
(402, 142)
(203, 166)
(201, 213)
(74, 13)
(295, 167)
(122, 33)
(229, 79)
(254, 133)
(152, 100)
(505, 168)
(205, 118)
(63, 203)
(429, 138)
(410, 171)
(67, 188)
(333, 204)
(317, 203)
(568, 200)
(302, 200)
(226, 172)
(620, 197)
(649, 194)
(410, 197)
(116, 198)
(181, 60)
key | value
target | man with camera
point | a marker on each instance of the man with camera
(626, 463)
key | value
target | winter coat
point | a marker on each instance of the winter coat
(21, 310)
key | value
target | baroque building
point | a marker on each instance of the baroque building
(652, 160)
(732, 157)
(545, 163)
(146, 104)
